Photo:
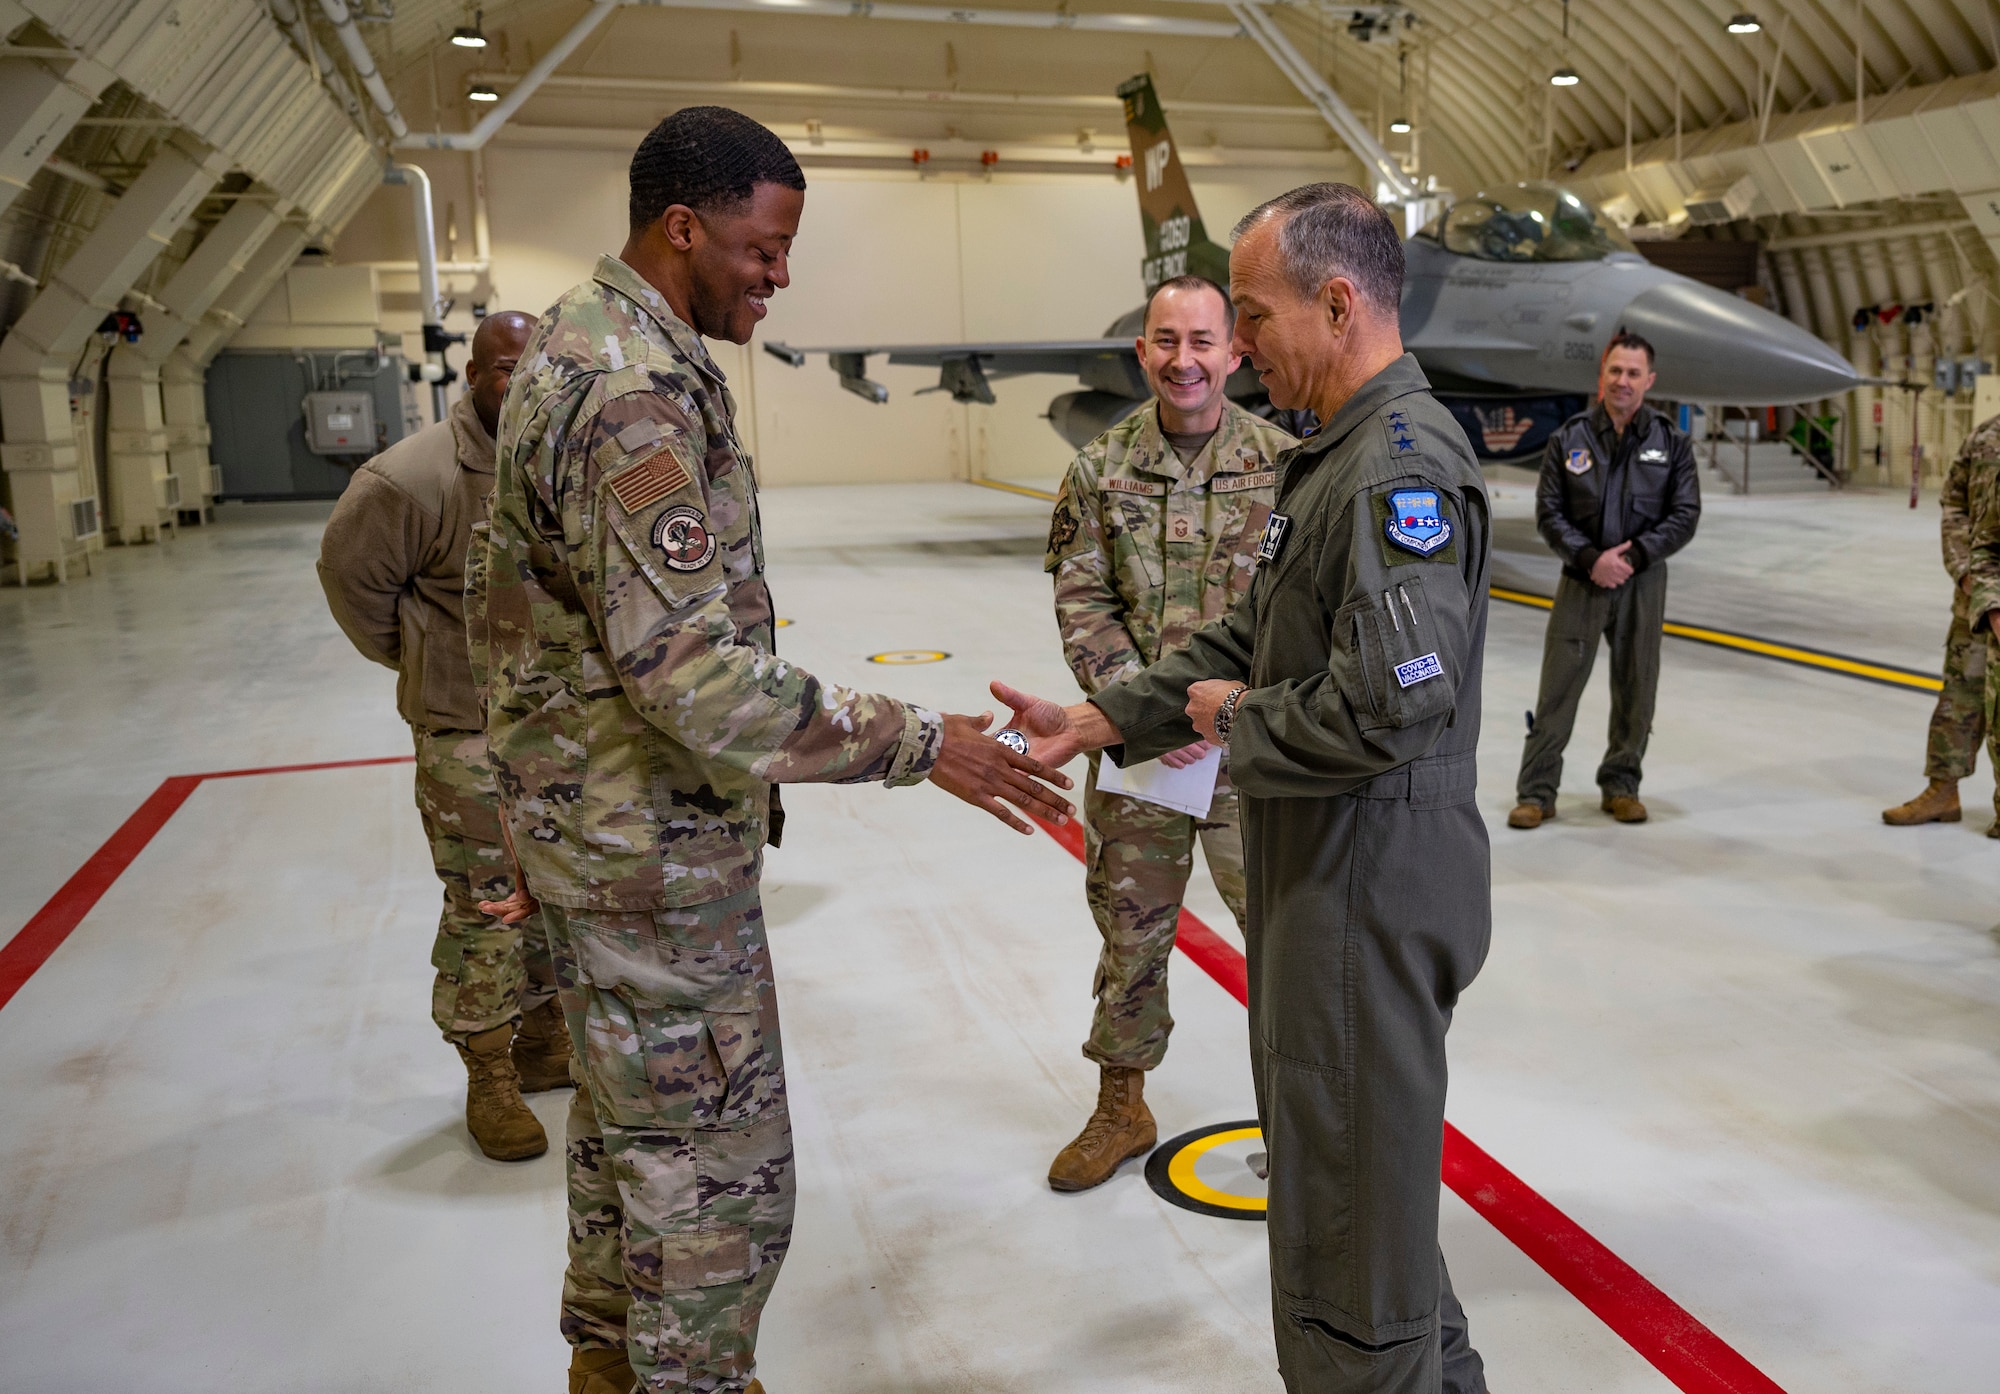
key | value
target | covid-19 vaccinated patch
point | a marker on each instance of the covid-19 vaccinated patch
(1416, 522)
(1418, 670)
(683, 538)
(1274, 537)
(1578, 462)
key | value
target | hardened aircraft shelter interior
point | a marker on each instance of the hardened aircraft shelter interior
(1724, 1107)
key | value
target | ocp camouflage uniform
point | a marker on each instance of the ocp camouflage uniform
(396, 564)
(638, 718)
(1959, 722)
(1979, 594)
(1145, 550)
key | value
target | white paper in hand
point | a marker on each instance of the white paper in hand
(1188, 790)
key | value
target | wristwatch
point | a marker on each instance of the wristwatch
(1225, 715)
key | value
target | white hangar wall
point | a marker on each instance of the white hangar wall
(883, 256)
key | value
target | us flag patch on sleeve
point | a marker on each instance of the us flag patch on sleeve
(652, 479)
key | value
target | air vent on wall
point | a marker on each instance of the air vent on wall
(171, 488)
(83, 518)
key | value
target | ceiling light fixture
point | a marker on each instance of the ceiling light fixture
(1400, 126)
(1744, 23)
(480, 92)
(1565, 76)
(470, 35)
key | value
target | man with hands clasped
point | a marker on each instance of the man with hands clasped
(1154, 534)
(1618, 496)
(1345, 689)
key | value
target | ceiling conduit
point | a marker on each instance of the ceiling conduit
(477, 137)
(364, 65)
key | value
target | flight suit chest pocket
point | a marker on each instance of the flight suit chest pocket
(1398, 677)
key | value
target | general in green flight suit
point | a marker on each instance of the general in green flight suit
(1346, 691)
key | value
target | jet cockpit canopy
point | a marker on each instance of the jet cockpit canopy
(1528, 222)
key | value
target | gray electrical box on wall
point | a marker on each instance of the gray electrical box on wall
(340, 423)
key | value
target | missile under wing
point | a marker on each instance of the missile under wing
(1508, 301)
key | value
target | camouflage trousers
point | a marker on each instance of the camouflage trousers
(1137, 858)
(679, 1142)
(488, 973)
(1959, 724)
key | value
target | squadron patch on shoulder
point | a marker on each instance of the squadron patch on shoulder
(653, 478)
(683, 538)
(1402, 435)
(1416, 523)
(1578, 462)
(1062, 527)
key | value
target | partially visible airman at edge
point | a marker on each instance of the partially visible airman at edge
(1964, 712)
(639, 719)
(1153, 535)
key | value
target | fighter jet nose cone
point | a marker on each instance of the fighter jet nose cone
(1714, 347)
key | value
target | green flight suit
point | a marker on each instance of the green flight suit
(1367, 868)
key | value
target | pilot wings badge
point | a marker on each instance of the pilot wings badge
(1578, 462)
(1416, 523)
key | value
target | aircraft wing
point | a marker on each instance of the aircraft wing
(964, 369)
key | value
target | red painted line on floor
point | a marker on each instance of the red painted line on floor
(1696, 1359)
(28, 950)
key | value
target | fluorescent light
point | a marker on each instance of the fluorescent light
(1400, 126)
(1564, 77)
(480, 92)
(465, 36)
(1744, 23)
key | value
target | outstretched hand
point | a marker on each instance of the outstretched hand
(975, 767)
(1056, 734)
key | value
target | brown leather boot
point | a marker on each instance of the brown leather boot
(1937, 804)
(1626, 808)
(541, 1048)
(499, 1120)
(1530, 815)
(1122, 1128)
(600, 1371)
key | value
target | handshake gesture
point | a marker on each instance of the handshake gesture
(983, 772)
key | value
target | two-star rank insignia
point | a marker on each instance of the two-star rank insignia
(1402, 434)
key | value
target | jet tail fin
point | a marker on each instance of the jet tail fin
(1177, 243)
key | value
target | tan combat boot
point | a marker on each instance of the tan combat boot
(1120, 1129)
(600, 1371)
(1530, 815)
(1626, 808)
(541, 1048)
(496, 1115)
(1937, 804)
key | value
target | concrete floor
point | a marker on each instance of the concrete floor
(1750, 1046)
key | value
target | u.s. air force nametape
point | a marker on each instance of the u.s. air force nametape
(1231, 483)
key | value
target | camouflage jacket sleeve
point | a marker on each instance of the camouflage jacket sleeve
(1955, 527)
(659, 595)
(1983, 567)
(478, 648)
(1090, 613)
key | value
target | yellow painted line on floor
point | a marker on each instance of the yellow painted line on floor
(1764, 648)
(1720, 638)
(1023, 490)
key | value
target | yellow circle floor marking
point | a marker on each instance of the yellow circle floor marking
(1174, 1173)
(902, 657)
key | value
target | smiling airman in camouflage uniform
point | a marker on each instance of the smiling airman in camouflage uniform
(1959, 722)
(1147, 547)
(1979, 592)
